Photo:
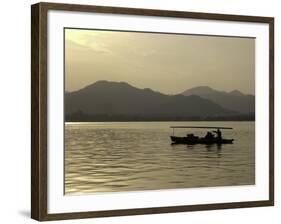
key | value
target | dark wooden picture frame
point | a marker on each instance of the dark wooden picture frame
(39, 194)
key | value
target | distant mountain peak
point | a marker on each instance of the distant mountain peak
(202, 87)
(236, 93)
(234, 100)
(199, 90)
(101, 82)
(106, 84)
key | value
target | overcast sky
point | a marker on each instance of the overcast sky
(166, 63)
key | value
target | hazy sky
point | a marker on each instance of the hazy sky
(166, 63)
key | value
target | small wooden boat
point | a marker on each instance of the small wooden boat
(191, 139)
(187, 140)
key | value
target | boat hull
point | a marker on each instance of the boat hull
(188, 141)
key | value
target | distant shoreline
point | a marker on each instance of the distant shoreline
(88, 121)
(149, 121)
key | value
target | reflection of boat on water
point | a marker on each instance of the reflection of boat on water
(191, 139)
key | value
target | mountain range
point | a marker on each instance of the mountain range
(234, 100)
(119, 101)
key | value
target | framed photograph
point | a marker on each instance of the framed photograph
(141, 111)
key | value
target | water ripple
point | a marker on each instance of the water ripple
(102, 157)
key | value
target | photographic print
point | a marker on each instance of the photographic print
(144, 111)
(153, 111)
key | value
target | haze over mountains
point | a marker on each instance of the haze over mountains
(234, 100)
(119, 101)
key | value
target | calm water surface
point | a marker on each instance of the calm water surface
(134, 156)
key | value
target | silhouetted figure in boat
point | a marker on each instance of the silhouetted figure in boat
(219, 136)
(209, 136)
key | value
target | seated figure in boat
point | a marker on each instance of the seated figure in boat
(192, 137)
(209, 136)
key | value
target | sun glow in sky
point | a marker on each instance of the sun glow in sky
(167, 63)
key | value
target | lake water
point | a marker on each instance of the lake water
(136, 156)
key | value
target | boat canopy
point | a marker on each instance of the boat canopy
(201, 127)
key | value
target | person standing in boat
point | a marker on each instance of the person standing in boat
(219, 135)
